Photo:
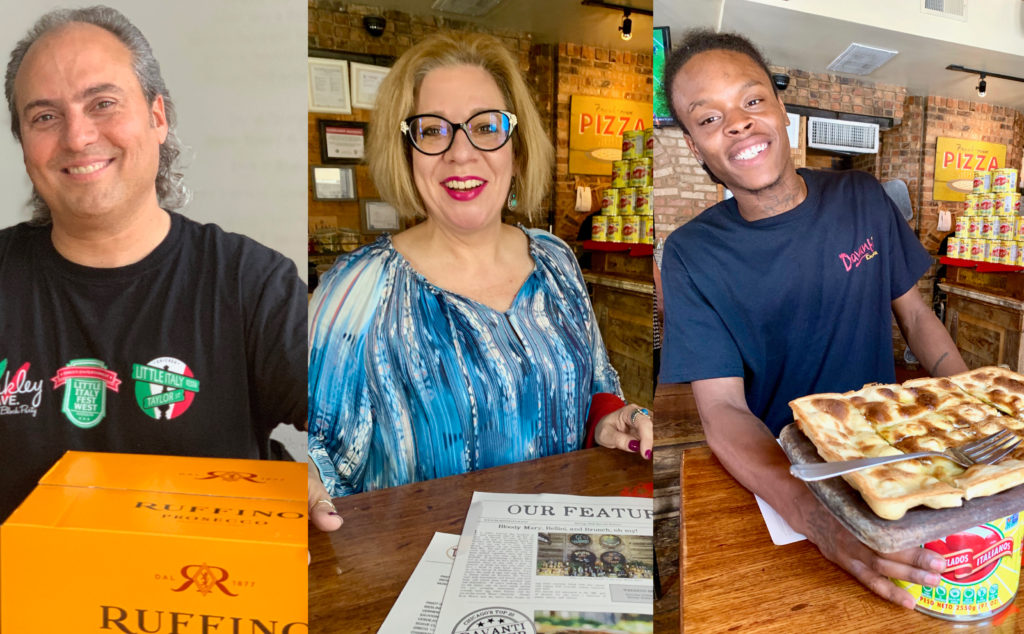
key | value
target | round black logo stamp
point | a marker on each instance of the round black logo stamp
(495, 621)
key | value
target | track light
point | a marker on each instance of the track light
(982, 86)
(627, 26)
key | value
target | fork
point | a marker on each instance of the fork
(987, 450)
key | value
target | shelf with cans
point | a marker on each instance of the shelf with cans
(627, 215)
(989, 231)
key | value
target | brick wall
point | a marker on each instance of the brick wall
(954, 118)
(594, 72)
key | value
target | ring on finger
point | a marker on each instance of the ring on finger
(638, 411)
(327, 502)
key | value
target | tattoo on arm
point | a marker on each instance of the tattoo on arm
(936, 366)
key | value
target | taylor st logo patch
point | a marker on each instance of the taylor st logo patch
(164, 388)
(85, 382)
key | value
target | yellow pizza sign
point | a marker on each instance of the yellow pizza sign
(595, 131)
(956, 160)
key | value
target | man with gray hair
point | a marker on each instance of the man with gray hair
(125, 326)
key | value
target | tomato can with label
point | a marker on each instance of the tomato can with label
(639, 171)
(1004, 227)
(961, 227)
(981, 576)
(647, 229)
(998, 252)
(985, 204)
(1018, 257)
(1011, 255)
(971, 205)
(614, 229)
(627, 201)
(987, 222)
(643, 201)
(632, 144)
(610, 202)
(649, 143)
(631, 229)
(598, 228)
(1004, 180)
(976, 248)
(953, 247)
(982, 182)
(620, 173)
(974, 227)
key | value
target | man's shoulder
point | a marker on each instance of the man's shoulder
(840, 179)
(713, 219)
(22, 230)
(232, 254)
(15, 240)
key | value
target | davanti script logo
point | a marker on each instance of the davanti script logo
(860, 255)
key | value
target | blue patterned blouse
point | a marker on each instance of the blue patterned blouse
(409, 382)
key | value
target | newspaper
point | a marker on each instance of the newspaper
(416, 610)
(538, 564)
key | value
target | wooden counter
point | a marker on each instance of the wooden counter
(622, 293)
(985, 327)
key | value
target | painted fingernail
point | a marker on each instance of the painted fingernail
(647, 454)
(634, 445)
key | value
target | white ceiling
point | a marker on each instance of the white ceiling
(992, 39)
(551, 20)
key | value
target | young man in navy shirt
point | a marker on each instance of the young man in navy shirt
(785, 290)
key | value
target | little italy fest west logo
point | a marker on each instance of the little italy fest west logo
(85, 382)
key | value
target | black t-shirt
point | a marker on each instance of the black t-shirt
(795, 304)
(198, 349)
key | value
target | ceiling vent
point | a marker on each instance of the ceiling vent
(859, 59)
(471, 8)
(952, 9)
(842, 136)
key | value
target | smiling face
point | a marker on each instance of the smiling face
(463, 188)
(90, 141)
(736, 123)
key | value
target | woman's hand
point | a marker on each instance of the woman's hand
(321, 509)
(628, 428)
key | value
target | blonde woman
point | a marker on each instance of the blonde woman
(461, 343)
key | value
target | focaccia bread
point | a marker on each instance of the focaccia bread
(920, 415)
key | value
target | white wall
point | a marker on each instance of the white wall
(236, 70)
(991, 24)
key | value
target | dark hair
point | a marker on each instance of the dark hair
(170, 186)
(696, 41)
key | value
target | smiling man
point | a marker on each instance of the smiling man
(125, 326)
(785, 290)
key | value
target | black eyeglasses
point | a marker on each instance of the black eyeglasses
(432, 135)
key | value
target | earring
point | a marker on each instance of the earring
(513, 199)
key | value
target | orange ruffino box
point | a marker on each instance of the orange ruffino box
(117, 543)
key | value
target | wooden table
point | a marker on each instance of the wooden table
(735, 579)
(357, 572)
